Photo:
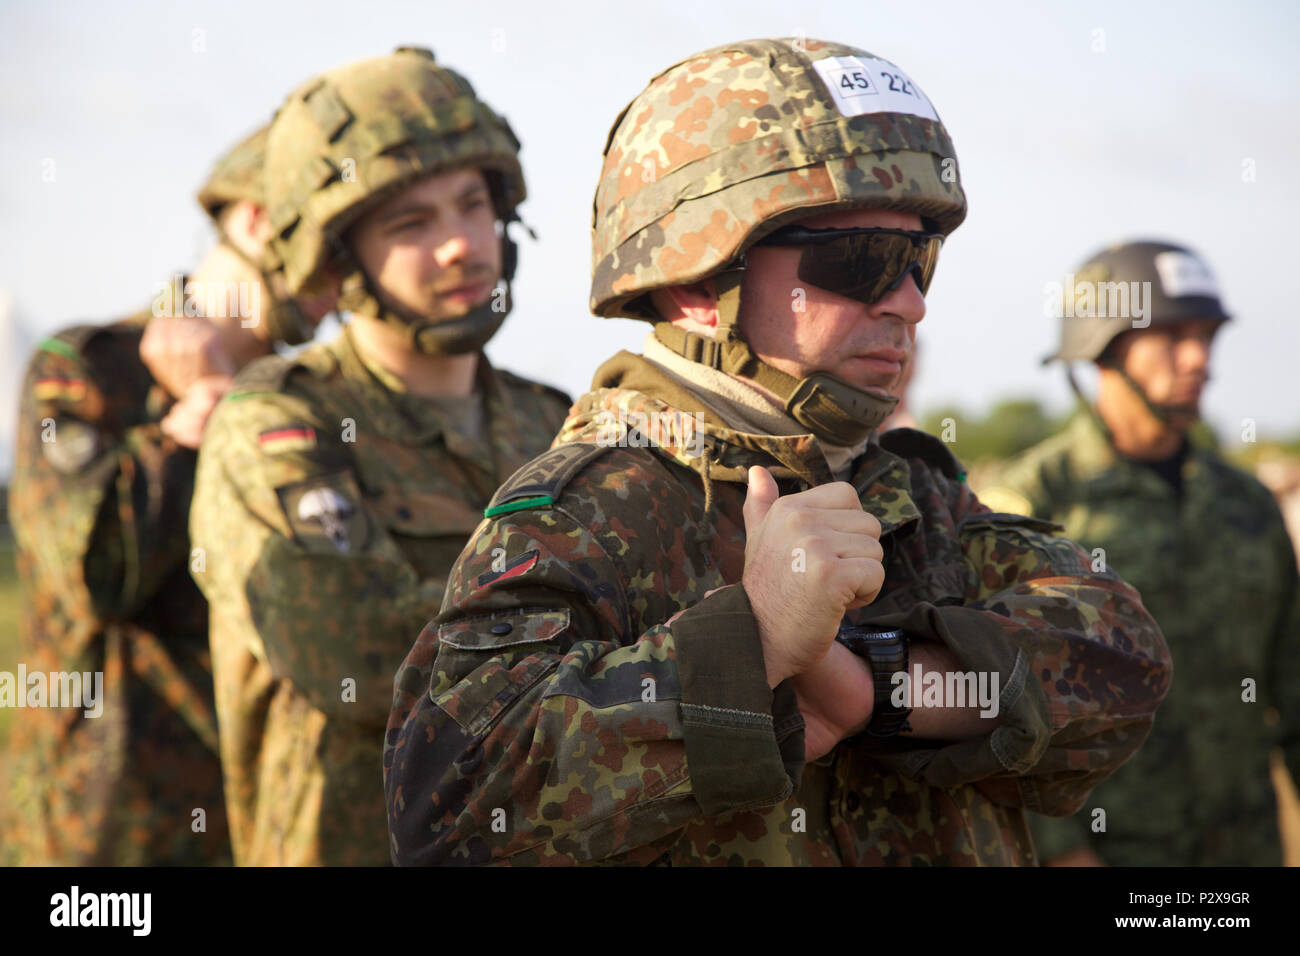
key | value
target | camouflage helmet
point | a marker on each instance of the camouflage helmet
(236, 176)
(346, 141)
(1099, 300)
(728, 145)
(239, 176)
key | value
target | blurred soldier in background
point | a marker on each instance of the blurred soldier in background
(110, 419)
(637, 660)
(1205, 545)
(336, 490)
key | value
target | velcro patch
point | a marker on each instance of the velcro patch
(325, 513)
(70, 445)
(514, 569)
(56, 389)
(291, 438)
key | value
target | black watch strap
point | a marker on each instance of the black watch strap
(886, 653)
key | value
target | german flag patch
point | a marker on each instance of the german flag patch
(514, 569)
(55, 389)
(287, 439)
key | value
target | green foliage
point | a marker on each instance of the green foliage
(1015, 424)
(1010, 427)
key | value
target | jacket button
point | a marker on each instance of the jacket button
(502, 628)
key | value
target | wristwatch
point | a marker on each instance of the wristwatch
(886, 654)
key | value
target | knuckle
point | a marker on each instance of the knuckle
(799, 521)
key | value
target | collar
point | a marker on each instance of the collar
(741, 404)
(636, 402)
(380, 401)
(1096, 462)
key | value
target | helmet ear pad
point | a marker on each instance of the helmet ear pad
(496, 182)
(507, 214)
(509, 256)
(1109, 357)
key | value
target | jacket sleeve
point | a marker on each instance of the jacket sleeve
(1284, 656)
(1082, 666)
(98, 499)
(536, 721)
(296, 562)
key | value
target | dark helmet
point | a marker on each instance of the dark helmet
(1098, 304)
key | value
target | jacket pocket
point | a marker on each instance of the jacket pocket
(501, 657)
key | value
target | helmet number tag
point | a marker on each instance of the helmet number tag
(860, 84)
(1183, 274)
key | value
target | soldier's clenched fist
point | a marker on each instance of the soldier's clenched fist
(180, 350)
(809, 557)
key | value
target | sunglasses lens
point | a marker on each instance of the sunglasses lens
(929, 260)
(868, 267)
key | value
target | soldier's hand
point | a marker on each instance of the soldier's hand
(836, 696)
(180, 350)
(185, 422)
(809, 557)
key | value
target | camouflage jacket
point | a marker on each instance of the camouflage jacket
(329, 509)
(99, 504)
(587, 695)
(1216, 569)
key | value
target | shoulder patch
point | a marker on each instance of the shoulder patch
(520, 565)
(71, 445)
(286, 438)
(539, 483)
(55, 388)
(913, 443)
(325, 515)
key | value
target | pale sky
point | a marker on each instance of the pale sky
(1075, 125)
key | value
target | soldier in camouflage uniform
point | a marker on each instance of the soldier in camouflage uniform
(110, 419)
(636, 661)
(1207, 548)
(336, 490)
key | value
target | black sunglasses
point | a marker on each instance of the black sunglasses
(864, 264)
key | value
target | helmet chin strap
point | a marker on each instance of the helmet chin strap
(285, 318)
(459, 336)
(833, 410)
(1166, 414)
(1162, 413)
